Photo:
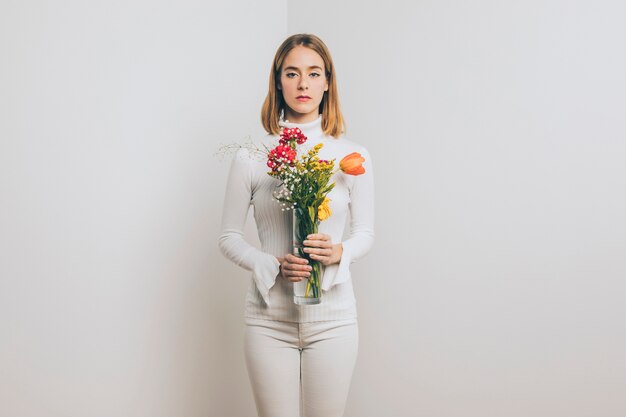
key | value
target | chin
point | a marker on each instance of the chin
(305, 110)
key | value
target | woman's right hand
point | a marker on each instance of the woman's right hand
(293, 268)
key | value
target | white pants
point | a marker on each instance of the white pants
(300, 369)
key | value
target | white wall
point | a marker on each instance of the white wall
(113, 300)
(495, 287)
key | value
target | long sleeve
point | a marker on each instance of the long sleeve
(265, 267)
(361, 237)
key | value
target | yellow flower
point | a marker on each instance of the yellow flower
(324, 211)
(315, 149)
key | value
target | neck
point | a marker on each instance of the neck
(299, 118)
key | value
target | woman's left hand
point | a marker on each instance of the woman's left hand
(320, 248)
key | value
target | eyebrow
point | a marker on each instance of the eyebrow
(297, 69)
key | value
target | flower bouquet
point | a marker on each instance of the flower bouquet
(305, 184)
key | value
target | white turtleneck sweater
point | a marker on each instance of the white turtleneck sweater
(270, 296)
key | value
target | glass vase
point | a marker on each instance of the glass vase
(307, 291)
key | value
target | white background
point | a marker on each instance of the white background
(497, 131)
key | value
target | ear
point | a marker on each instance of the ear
(326, 86)
(278, 86)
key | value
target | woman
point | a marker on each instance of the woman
(300, 358)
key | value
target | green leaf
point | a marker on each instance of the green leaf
(312, 213)
(328, 189)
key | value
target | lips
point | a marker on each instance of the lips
(303, 98)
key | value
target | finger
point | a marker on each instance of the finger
(292, 259)
(318, 243)
(302, 274)
(324, 260)
(318, 236)
(298, 275)
(320, 251)
(297, 268)
(320, 257)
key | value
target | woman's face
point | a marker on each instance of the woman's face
(302, 82)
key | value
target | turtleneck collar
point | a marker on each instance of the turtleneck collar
(312, 129)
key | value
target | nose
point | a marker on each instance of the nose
(302, 84)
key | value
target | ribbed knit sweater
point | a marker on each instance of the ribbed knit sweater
(270, 296)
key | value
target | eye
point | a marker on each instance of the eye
(315, 74)
(290, 74)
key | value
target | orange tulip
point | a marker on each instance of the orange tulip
(352, 164)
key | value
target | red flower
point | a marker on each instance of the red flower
(286, 152)
(272, 164)
(280, 155)
(289, 134)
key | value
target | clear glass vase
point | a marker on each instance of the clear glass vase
(306, 291)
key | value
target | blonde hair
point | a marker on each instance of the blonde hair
(333, 123)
